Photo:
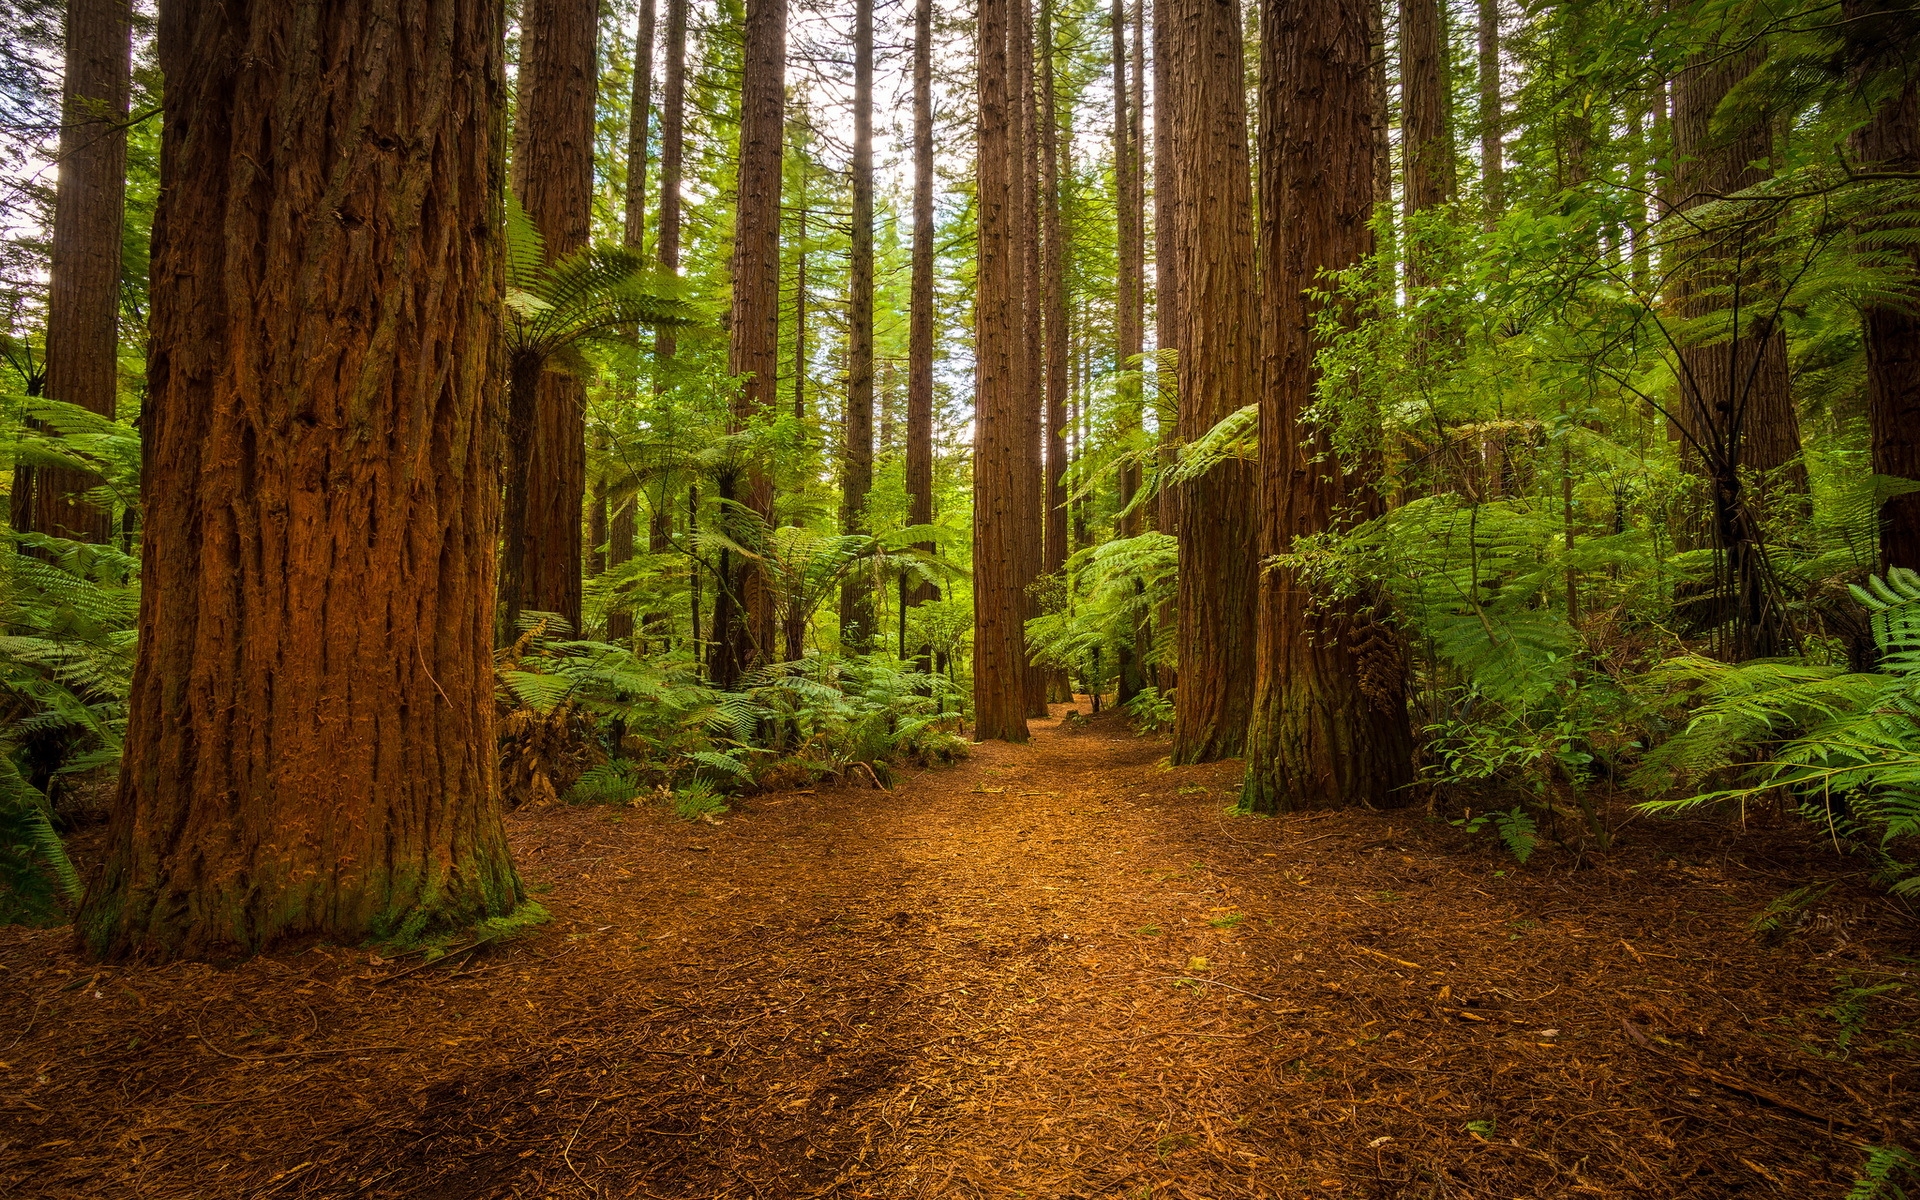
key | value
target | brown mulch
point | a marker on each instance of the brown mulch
(1058, 970)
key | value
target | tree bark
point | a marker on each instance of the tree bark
(83, 293)
(1054, 282)
(919, 457)
(1166, 278)
(621, 523)
(745, 637)
(1736, 414)
(999, 601)
(1493, 190)
(1127, 312)
(310, 746)
(1883, 35)
(1330, 725)
(856, 594)
(1218, 351)
(553, 177)
(1423, 118)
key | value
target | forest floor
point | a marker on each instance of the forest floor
(1054, 970)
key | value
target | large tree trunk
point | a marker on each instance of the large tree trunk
(856, 595)
(919, 464)
(1127, 314)
(310, 746)
(1883, 36)
(553, 177)
(999, 600)
(1219, 346)
(83, 294)
(1330, 724)
(1735, 404)
(621, 523)
(744, 617)
(1032, 353)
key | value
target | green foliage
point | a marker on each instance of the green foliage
(1111, 590)
(1515, 829)
(1150, 711)
(1885, 1169)
(1844, 745)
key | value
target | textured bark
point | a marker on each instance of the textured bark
(621, 523)
(553, 177)
(1493, 189)
(1330, 724)
(1166, 276)
(1735, 408)
(83, 293)
(1032, 345)
(744, 637)
(673, 123)
(1884, 35)
(856, 595)
(310, 749)
(999, 603)
(1219, 347)
(1127, 292)
(1054, 283)
(919, 464)
(1423, 116)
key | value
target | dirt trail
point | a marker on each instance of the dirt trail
(1057, 970)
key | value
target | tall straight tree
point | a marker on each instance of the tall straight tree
(1493, 189)
(1127, 288)
(310, 747)
(1032, 347)
(1735, 409)
(744, 618)
(620, 525)
(856, 595)
(1882, 37)
(673, 123)
(919, 457)
(1218, 351)
(1423, 115)
(1330, 724)
(999, 599)
(1166, 278)
(1053, 270)
(553, 177)
(83, 293)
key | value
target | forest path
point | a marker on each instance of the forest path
(1053, 970)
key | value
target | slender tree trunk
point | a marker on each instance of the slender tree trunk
(1054, 271)
(1736, 414)
(1166, 278)
(1423, 117)
(800, 312)
(745, 639)
(1032, 346)
(856, 594)
(919, 465)
(1330, 724)
(1127, 284)
(310, 748)
(83, 293)
(1493, 191)
(999, 602)
(621, 523)
(1883, 35)
(1219, 347)
(553, 176)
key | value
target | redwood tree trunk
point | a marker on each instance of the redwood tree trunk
(1218, 347)
(1423, 116)
(621, 523)
(745, 637)
(1736, 414)
(856, 595)
(999, 602)
(919, 464)
(1166, 278)
(1493, 189)
(1053, 270)
(1032, 345)
(553, 176)
(1883, 37)
(1330, 724)
(83, 294)
(310, 744)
